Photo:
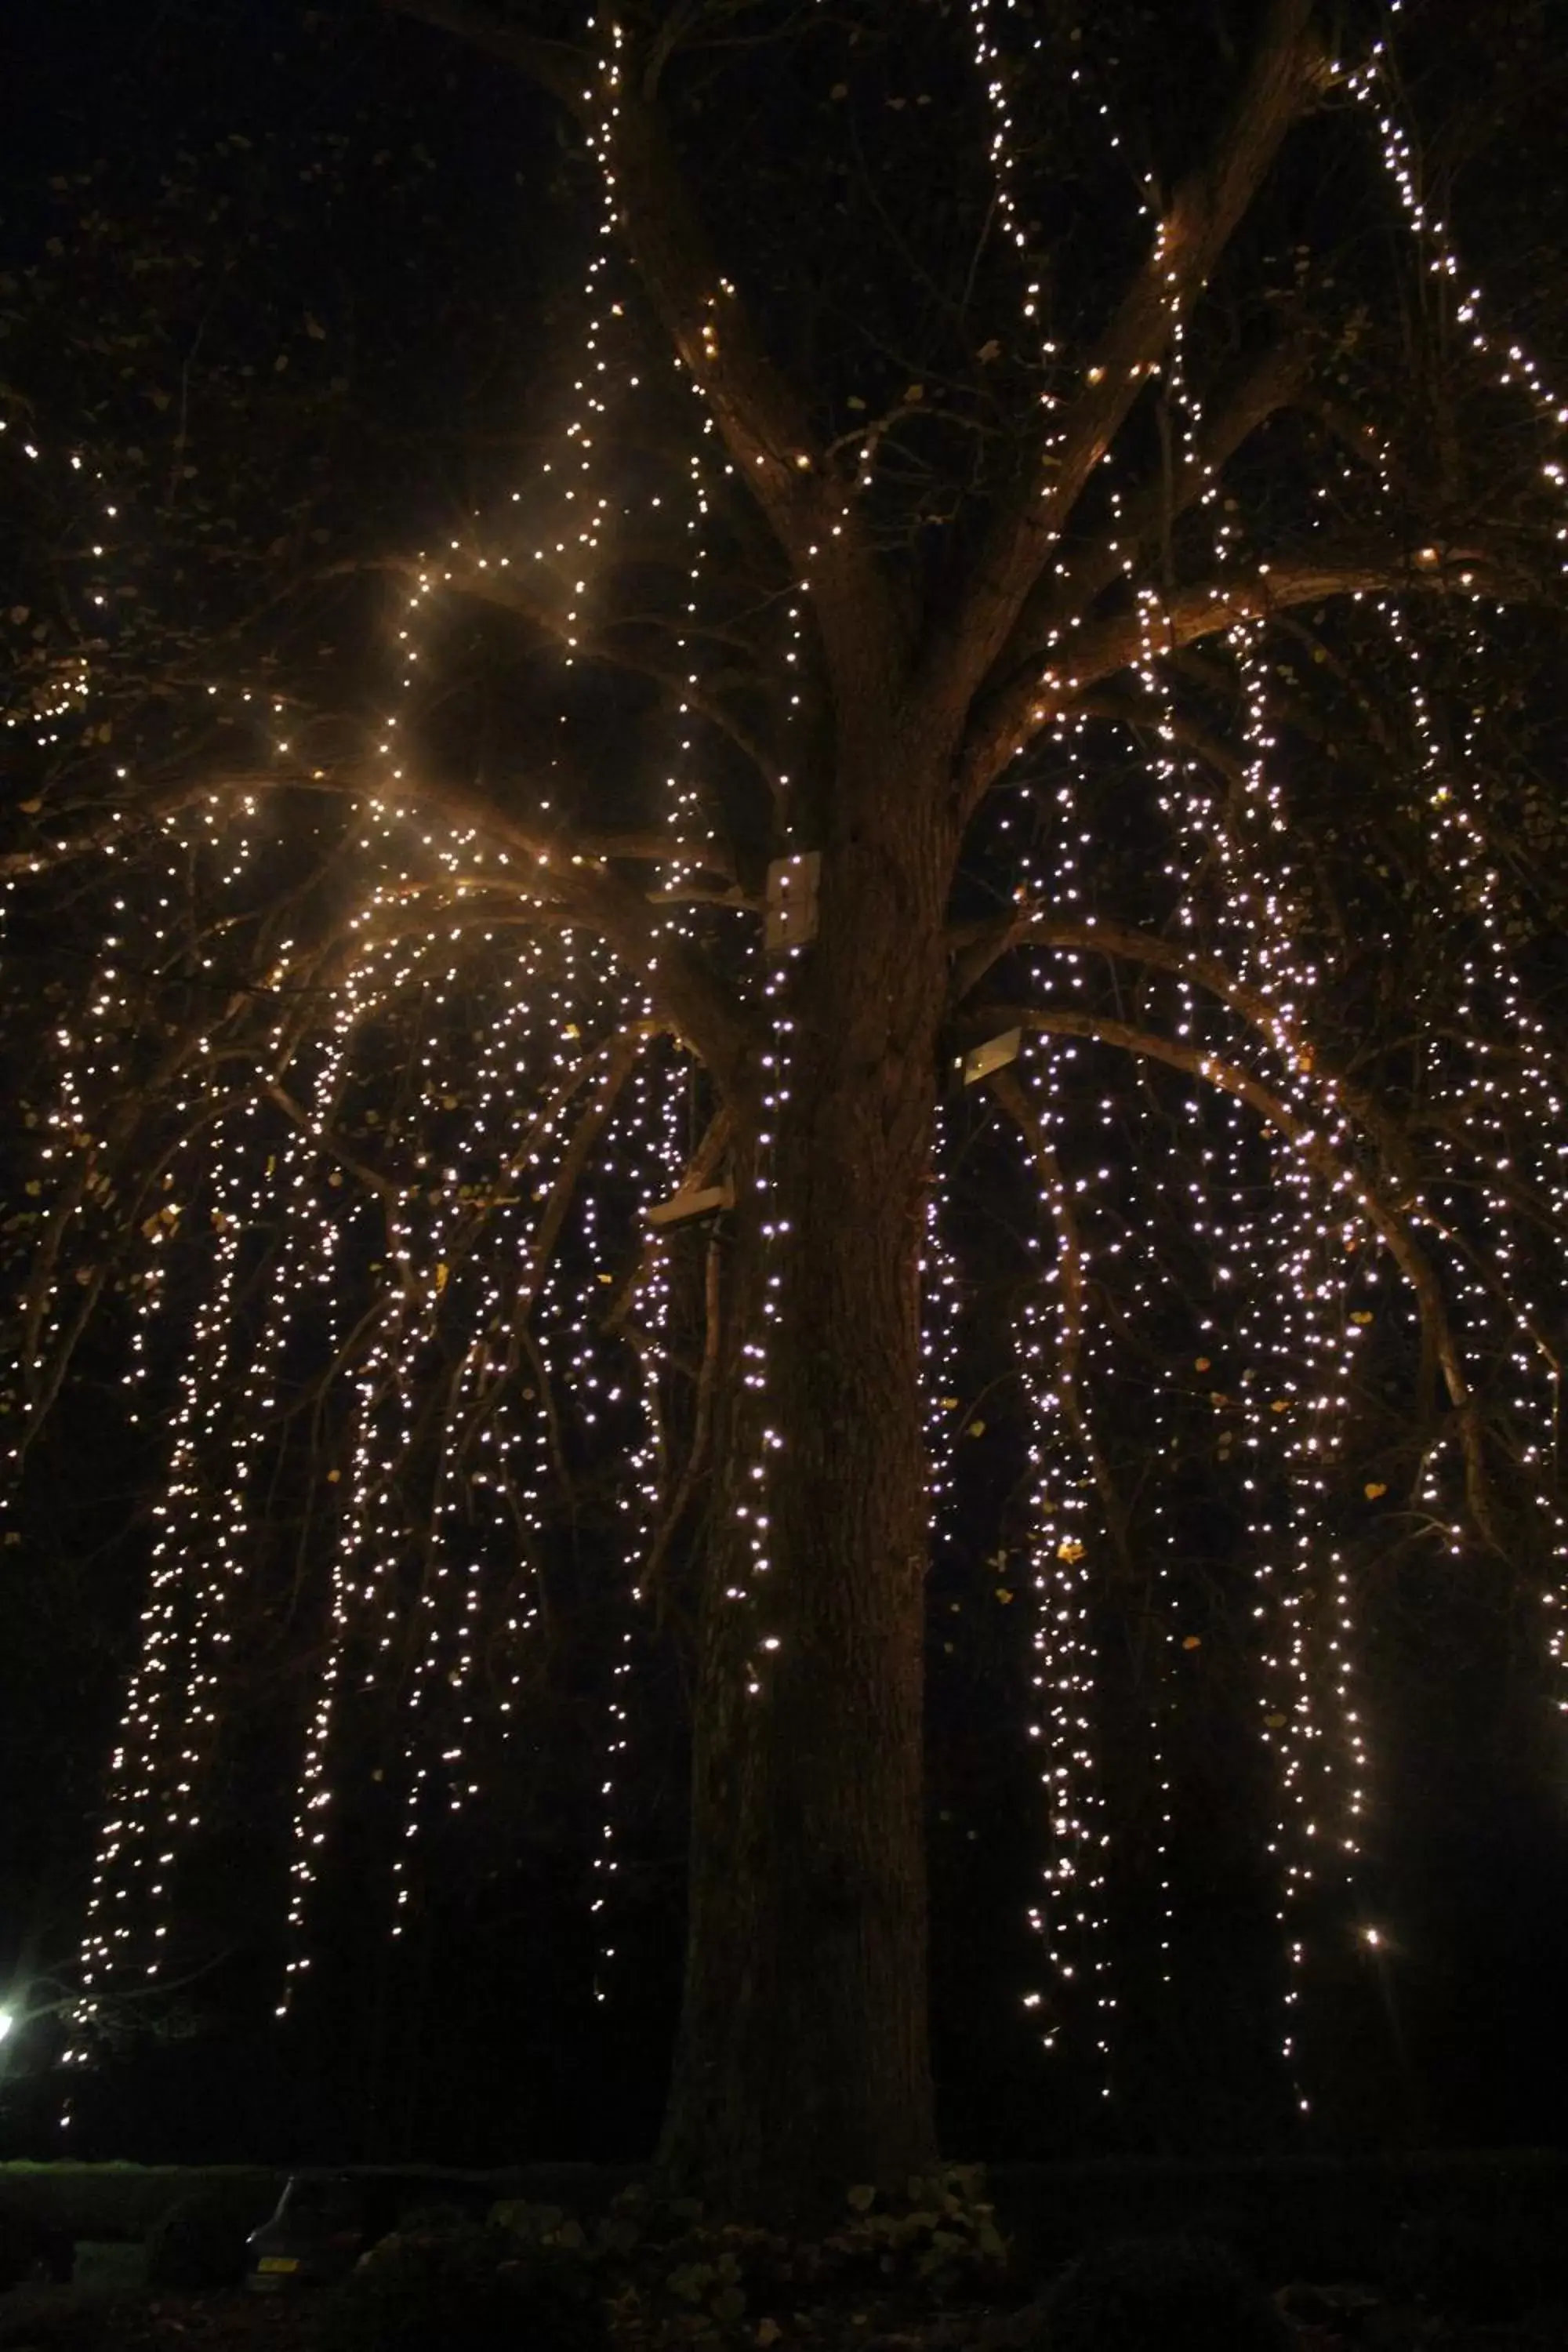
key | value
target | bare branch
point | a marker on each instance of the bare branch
(557, 872)
(1267, 386)
(1327, 1161)
(1100, 649)
(1189, 240)
(812, 512)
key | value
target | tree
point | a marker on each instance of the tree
(1106, 586)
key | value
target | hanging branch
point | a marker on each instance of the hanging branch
(1326, 1160)
(1042, 927)
(1036, 696)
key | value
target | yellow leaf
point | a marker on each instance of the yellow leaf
(975, 1429)
(441, 1273)
(1202, 1365)
(1281, 1404)
(1361, 1316)
(1069, 1548)
(1373, 1488)
(1274, 1721)
(1002, 1594)
(1193, 1642)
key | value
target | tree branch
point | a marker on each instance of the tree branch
(1188, 244)
(1088, 655)
(1321, 1156)
(1267, 386)
(762, 421)
(813, 514)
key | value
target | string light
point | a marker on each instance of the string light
(491, 1252)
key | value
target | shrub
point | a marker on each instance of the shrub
(465, 2289)
(1161, 2294)
(199, 2244)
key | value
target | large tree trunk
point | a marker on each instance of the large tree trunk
(802, 2062)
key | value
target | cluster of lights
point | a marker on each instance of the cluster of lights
(1297, 1282)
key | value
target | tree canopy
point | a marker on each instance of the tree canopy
(862, 927)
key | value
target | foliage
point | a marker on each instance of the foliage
(1160, 2295)
(198, 2242)
(678, 2277)
(465, 2289)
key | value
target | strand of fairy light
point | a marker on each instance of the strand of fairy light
(940, 1329)
(494, 1103)
(655, 1146)
(168, 1715)
(79, 1111)
(356, 1584)
(1072, 1914)
(752, 1513)
(312, 1796)
(1512, 367)
(590, 518)
(1069, 1920)
(1455, 827)
(497, 1374)
(1066, 1535)
(440, 1551)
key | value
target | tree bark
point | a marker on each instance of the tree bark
(802, 2062)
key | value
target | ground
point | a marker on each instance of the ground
(66, 2319)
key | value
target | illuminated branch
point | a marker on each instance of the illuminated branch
(1040, 927)
(1101, 649)
(763, 420)
(1265, 388)
(760, 417)
(1193, 236)
(575, 881)
(372, 1180)
(1326, 1160)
